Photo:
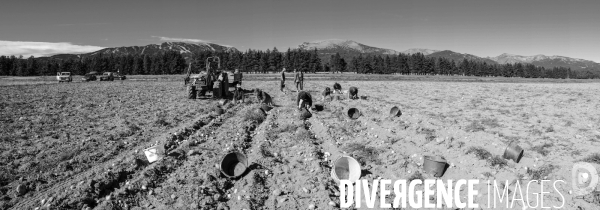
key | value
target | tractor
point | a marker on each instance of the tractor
(215, 81)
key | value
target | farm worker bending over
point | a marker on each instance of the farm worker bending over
(263, 97)
(304, 100)
(353, 93)
(297, 80)
(326, 93)
(238, 94)
(337, 88)
(282, 80)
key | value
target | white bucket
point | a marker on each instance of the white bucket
(151, 154)
(346, 168)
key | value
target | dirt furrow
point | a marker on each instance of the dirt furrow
(90, 187)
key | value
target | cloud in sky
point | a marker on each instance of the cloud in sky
(173, 39)
(41, 49)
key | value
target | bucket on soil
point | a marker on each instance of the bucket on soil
(363, 97)
(260, 111)
(338, 97)
(234, 164)
(151, 154)
(395, 112)
(222, 102)
(266, 108)
(318, 107)
(513, 152)
(434, 165)
(305, 114)
(218, 111)
(346, 168)
(354, 113)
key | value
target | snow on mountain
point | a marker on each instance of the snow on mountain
(184, 48)
(343, 46)
(459, 57)
(420, 50)
(547, 61)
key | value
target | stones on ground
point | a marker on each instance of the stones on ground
(21, 189)
(276, 192)
(192, 152)
(311, 206)
(331, 203)
(173, 196)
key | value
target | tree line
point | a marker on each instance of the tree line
(257, 61)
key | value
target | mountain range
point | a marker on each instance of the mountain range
(348, 49)
(183, 47)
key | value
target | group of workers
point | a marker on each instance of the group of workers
(304, 100)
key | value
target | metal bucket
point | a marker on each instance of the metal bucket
(318, 107)
(346, 168)
(513, 152)
(234, 164)
(218, 111)
(266, 108)
(434, 165)
(354, 113)
(305, 114)
(395, 112)
(222, 102)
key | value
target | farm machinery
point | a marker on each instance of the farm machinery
(216, 81)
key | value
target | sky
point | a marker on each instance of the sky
(478, 27)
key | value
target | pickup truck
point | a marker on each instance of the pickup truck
(64, 77)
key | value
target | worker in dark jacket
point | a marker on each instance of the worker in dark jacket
(353, 93)
(326, 93)
(304, 100)
(282, 80)
(301, 80)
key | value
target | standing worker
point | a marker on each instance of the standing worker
(301, 79)
(297, 79)
(282, 80)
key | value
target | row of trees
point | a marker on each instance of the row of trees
(255, 61)
(418, 64)
(169, 62)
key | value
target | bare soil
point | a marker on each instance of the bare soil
(80, 145)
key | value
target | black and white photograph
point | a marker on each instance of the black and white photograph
(299, 104)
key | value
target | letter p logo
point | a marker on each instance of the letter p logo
(584, 178)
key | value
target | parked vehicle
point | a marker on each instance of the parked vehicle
(107, 76)
(90, 76)
(119, 76)
(64, 77)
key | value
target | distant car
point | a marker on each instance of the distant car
(64, 77)
(119, 76)
(107, 76)
(90, 76)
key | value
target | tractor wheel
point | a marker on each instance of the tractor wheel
(192, 92)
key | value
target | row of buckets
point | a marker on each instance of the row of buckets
(348, 168)
(352, 113)
(235, 164)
